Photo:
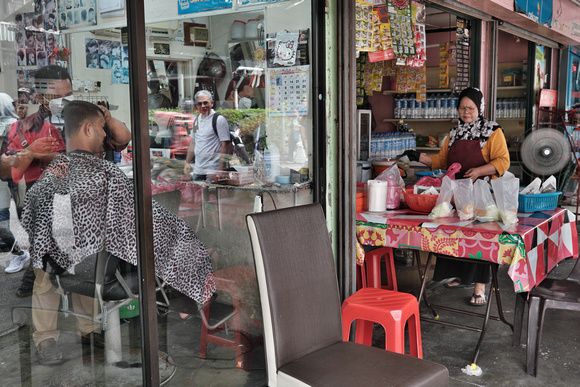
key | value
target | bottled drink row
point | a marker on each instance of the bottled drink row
(437, 105)
(510, 108)
(388, 145)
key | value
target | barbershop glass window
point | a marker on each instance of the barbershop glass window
(254, 60)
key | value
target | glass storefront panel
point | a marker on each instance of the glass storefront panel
(254, 65)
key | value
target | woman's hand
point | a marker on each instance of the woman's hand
(473, 173)
(484, 170)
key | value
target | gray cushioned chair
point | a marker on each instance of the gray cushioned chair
(301, 311)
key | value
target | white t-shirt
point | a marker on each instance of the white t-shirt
(208, 145)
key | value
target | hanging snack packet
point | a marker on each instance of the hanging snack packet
(505, 190)
(443, 206)
(464, 198)
(485, 209)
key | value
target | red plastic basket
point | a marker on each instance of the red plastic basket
(419, 203)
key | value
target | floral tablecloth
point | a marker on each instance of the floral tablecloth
(531, 248)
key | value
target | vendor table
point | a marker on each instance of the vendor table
(532, 247)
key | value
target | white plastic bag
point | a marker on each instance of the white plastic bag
(505, 190)
(485, 209)
(443, 206)
(464, 198)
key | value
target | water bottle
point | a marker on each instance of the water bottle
(439, 105)
(430, 106)
(413, 140)
(452, 106)
(373, 147)
(398, 144)
(411, 105)
(500, 108)
(444, 105)
(397, 107)
(383, 146)
(424, 109)
(403, 107)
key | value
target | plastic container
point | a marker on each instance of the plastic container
(435, 173)
(252, 29)
(377, 195)
(380, 165)
(238, 30)
(363, 171)
(283, 179)
(272, 161)
(393, 197)
(420, 203)
(539, 202)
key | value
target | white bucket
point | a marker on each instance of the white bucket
(377, 195)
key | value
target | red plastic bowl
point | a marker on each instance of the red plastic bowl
(419, 203)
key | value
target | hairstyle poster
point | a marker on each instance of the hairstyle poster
(76, 13)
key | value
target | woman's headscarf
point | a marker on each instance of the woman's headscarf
(480, 129)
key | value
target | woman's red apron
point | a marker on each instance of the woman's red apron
(467, 153)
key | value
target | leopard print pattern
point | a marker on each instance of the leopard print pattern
(99, 198)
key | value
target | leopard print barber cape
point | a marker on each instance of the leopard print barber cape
(82, 205)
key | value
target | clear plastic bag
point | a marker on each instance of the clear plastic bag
(485, 208)
(505, 190)
(443, 206)
(392, 174)
(464, 198)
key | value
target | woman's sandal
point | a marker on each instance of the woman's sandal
(476, 297)
(459, 284)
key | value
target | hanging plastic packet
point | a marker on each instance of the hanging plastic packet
(443, 208)
(505, 190)
(464, 198)
(485, 208)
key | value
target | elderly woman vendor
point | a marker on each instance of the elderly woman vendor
(480, 147)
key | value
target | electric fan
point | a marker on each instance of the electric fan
(547, 151)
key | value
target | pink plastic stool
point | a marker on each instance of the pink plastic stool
(370, 271)
(390, 309)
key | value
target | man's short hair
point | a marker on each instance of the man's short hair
(240, 85)
(75, 113)
(203, 93)
(50, 73)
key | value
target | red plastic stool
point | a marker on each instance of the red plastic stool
(390, 309)
(231, 280)
(370, 271)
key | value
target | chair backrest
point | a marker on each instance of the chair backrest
(297, 283)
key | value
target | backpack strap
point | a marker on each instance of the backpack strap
(214, 124)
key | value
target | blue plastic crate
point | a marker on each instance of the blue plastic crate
(539, 202)
(431, 173)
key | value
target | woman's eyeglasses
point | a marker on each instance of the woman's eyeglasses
(467, 109)
(202, 103)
